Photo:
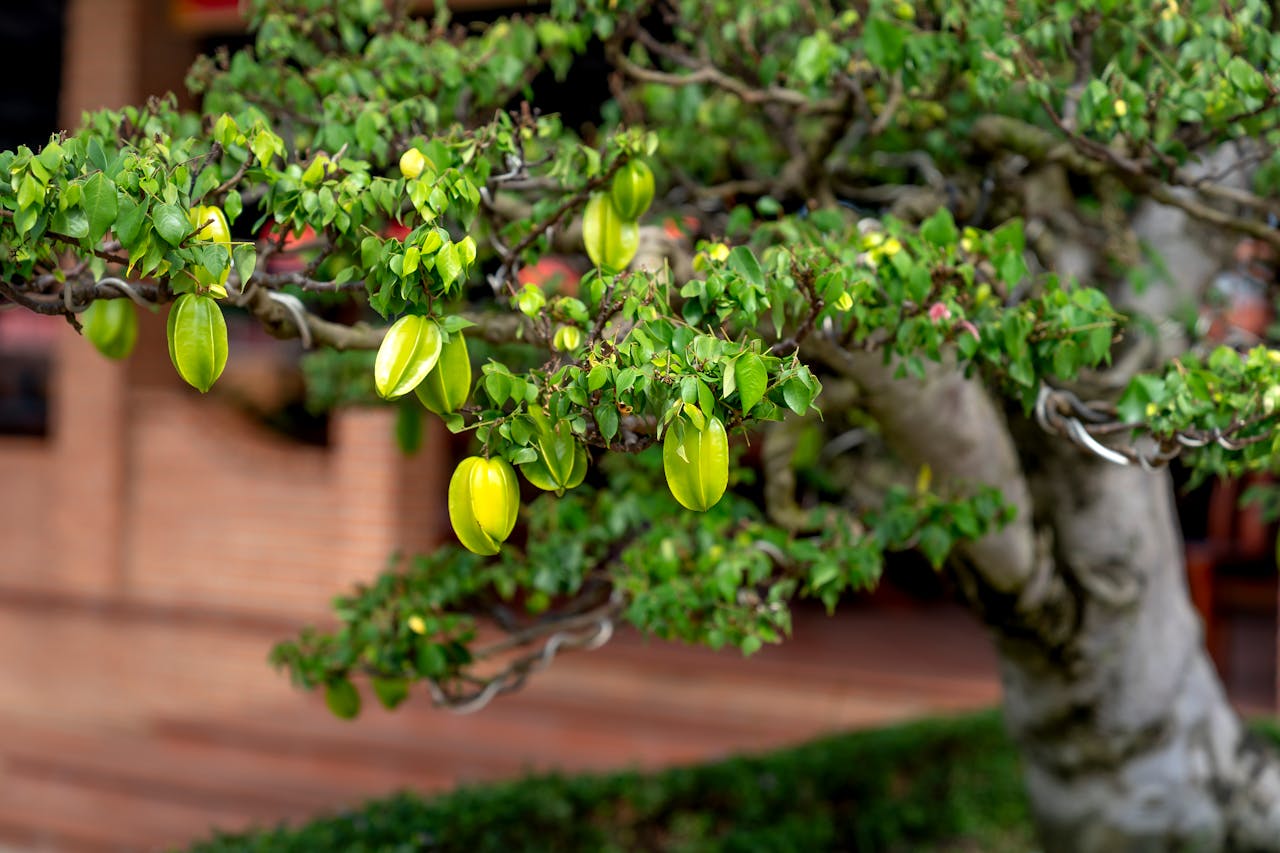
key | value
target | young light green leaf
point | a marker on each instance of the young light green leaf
(751, 378)
(448, 264)
(745, 264)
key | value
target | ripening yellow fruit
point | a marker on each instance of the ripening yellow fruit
(412, 163)
(484, 500)
(407, 354)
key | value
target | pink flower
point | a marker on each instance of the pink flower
(939, 312)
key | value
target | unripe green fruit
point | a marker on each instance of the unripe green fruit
(446, 387)
(611, 240)
(567, 338)
(696, 462)
(530, 300)
(197, 336)
(632, 189)
(111, 325)
(561, 462)
(1271, 399)
(484, 500)
(407, 354)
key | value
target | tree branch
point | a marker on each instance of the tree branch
(1039, 145)
(951, 424)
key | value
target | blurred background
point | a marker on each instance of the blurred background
(156, 544)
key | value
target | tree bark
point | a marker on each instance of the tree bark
(1128, 740)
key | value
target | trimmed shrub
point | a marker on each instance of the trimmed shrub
(901, 788)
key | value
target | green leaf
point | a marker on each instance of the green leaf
(215, 259)
(99, 201)
(431, 659)
(1143, 391)
(730, 383)
(245, 257)
(884, 42)
(1245, 77)
(606, 415)
(448, 264)
(940, 229)
(73, 222)
(745, 264)
(30, 193)
(797, 395)
(390, 691)
(342, 698)
(232, 205)
(97, 156)
(263, 146)
(129, 218)
(1011, 267)
(498, 387)
(706, 400)
(411, 257)
(597, 377)
(171, 223)
(935, 544)
(752, 379)
(1066, 360)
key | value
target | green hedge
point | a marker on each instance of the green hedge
(944, 785)
(909, 787)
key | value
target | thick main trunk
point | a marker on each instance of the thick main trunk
(1128, 739)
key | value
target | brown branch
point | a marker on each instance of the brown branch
(72, 241)
(280, 322)
(1081, 156)
(805, 279)
(533, 633)
(700, 72)
(951, 423)
(511, 257)
(1082, 56)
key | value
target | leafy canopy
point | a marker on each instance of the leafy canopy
(823, 175)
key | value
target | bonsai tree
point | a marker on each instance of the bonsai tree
(971, 231)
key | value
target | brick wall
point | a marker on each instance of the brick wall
(152, 494)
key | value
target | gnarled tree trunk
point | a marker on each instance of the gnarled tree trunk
(1128, 740)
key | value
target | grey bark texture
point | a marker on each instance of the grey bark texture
(1128, 740)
